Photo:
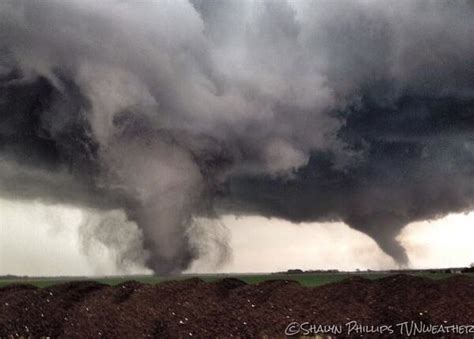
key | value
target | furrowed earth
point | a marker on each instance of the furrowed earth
(228, 307)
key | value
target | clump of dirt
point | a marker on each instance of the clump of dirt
(227, 308)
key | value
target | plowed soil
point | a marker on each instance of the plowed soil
(227, 308)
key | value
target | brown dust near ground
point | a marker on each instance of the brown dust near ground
(227, 308)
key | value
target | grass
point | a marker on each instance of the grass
(306, 279)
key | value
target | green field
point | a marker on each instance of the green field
(306, 279)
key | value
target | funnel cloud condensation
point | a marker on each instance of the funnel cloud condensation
(171, 111)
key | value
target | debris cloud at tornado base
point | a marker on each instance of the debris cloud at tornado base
(172, 112)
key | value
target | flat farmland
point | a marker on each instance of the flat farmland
(305, 279)
(223, 306)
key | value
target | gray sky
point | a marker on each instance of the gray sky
(156, 120)
(36, 239)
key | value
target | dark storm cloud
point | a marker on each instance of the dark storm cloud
(309, 111)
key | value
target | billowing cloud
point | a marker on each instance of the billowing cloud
(359, 112)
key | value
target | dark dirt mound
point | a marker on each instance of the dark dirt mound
(229, 307)
(230, 283)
